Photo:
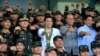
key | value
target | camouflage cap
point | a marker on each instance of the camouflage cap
(23, 19)
(94, 44)
(83, 48)
(19, 41)
(49, 49)
(36, 43)
(40, 14)
(5, 19)
(97, 37)
(3, 42)
(98, 44)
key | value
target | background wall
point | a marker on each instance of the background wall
(53, 4)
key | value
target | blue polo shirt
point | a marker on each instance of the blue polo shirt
(87, 39)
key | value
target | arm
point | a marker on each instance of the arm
(82, 33)
(63, 30)
(40, 33)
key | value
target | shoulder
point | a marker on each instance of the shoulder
(55, 29)
(41, 29)
(82, 27)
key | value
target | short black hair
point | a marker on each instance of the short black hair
(85, 18)
(68, 14)
(57, 37)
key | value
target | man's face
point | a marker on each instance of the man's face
(52, 53)
(91, 13)
(31, 19)
(98, 51)
(20, 47)
(85, 53)
(89, 21)
(40, 18)
(6, 24)
(95, 50)
(37, 50)
(15, 17)
(3, 47)
(24, 24)
(70, 20)
(1, 13)
(58, 17)
(59, 43)
(48, 22)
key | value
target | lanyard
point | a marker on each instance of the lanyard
(48, 37)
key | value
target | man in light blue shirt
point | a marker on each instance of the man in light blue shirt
(86, 34)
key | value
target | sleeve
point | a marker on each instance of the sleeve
(58, 32)
(62, 30)
(40, 33)
(80, 29)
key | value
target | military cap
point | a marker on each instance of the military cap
(57, 37)
(83, 48)
(94, 44)
(49, 49)
(14, 12)
(97, 37)
(5, 19)
(98, 44)
(48, 12)
(40, 14)
(19, 41)
(36, 43)
(23, 19)
(3, 42)
(30, 15)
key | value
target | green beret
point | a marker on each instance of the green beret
(83, 48)
(36, 43)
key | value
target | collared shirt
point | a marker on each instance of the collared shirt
(70, 39)
(87, 39)
(43, 37)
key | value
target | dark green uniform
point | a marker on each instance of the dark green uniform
(62, 53)
(26, 37)
(24, 54)
(7, 36)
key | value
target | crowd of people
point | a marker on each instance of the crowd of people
(47, 33)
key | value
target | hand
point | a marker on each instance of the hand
(47, 31)
(71, 29)
(17, 28)
(13, 48)
(88, 33)
(36, 26)
(32, 27)
(1, 37)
